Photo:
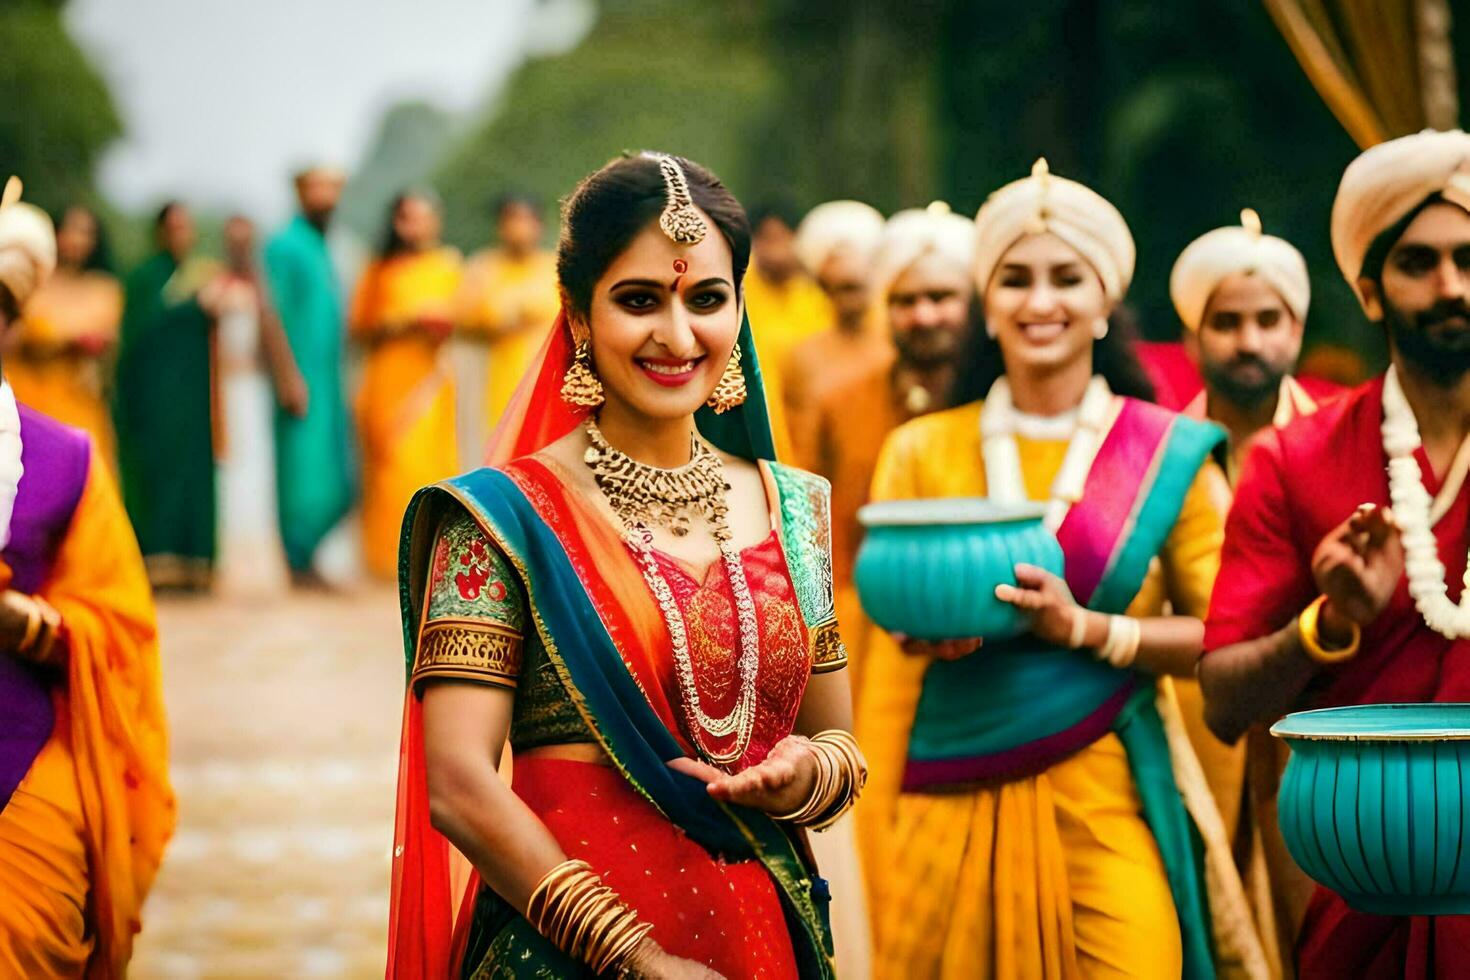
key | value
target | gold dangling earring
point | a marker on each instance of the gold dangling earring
(580, 386)
(730, 392)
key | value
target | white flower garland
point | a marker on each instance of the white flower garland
(1411, 509)
(10, 465)
(999, 423)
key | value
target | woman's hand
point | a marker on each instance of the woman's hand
(649, 961)
(938, 649)
(779, 784)
(1046, 600)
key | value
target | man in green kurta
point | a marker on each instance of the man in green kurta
(163, 407)
(313, 471)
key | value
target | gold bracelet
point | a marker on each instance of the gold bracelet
(584, 918)
(1311, 639)
(840, 776)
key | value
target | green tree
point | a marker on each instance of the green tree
(56, 114)
(691, 79)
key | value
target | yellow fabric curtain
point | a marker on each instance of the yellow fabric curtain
(1384, 67)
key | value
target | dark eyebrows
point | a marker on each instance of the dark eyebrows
(655, 284)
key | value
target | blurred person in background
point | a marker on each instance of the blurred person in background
(85, 805)
(508, 301)
(402, 314)
(835, 242)
(59, 357)
(922, 292)
(784, 304)
(314, 479)
(256, 373)
(1242, 296)
(164, 405)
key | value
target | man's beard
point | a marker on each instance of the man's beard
(927, 347)
(1441, 357)
(1247, 394)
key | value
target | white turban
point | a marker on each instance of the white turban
(912, 234)
(1076, 214)
(1217, 255)
(836, 225)
(27, 244)
(1387, 183)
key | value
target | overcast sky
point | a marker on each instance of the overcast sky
(222, 98)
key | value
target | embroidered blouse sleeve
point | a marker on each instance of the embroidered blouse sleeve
(829, 653)
(474, 623)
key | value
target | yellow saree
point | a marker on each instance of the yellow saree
(60, 351)
(405, 406)
(1052, 875)
(511, 303)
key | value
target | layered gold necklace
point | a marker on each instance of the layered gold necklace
(643, 497)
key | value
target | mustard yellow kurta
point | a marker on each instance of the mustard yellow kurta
(60, 351)
(780, 318)
(511, 303)
(405, 407)
(1055, 875)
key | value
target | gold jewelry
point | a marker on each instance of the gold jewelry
(584, 918)
(647, 496)
(1311, 639)
(730, 392)
(840, 776)
(642, 495)
(680, 220)
(580, 386)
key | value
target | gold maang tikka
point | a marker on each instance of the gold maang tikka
(684, 225)
(680, 220)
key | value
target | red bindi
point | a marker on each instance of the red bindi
(680, 267)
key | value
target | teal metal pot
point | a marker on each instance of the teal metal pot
(929, 568)
(1375, 804)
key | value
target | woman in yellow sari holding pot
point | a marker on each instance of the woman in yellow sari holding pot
(1035, 808)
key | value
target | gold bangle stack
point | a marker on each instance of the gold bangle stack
(584, 918)
(841, 774)
(43, 623)
(1311, 640)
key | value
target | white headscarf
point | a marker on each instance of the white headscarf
(27, 244)
(914, 233)
(1074, 213)
(835, 225)
(1387, 182)
(1216, 255)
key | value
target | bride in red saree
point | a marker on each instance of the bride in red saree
(637, 599)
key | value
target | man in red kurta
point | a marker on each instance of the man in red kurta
(1311, 607)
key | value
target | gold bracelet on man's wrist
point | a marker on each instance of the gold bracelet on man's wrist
(1308, 632)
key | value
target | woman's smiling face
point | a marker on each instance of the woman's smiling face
(664, 318)
(1043, 304)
